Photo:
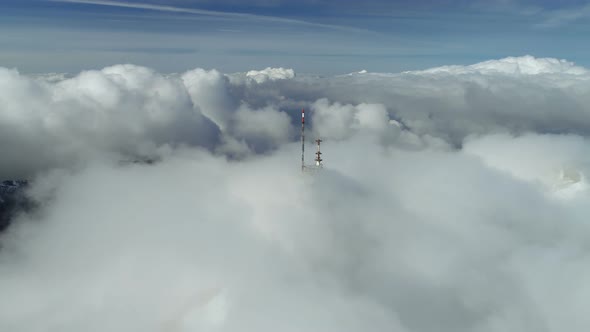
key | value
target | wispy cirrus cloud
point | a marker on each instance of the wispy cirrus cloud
(562, 17)
(205, 12)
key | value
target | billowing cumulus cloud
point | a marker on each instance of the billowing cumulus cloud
(209, 92)
(559, 163)
(270, 74)
(123, 110)
(514, 94)
(342, 121)
(526, 65)
(264, 128)
(450, 200)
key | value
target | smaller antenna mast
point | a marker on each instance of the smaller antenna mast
(318, 158)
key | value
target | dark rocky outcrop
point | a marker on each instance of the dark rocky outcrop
(12, 200)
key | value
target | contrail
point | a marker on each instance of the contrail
(210, 13)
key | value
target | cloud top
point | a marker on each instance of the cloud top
(270, 74)
(447, 202)
(524, 65)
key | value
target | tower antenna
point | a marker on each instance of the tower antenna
(302, 140)
(318, 158)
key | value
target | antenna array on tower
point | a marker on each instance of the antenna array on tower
(318, 159)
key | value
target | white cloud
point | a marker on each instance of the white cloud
(135, 111)
(449, 201)
(337, 121)
(467, 99)
(378, 241)
(270, 74)
(209, 92)
(557, 162)
(125, 109)
(265, 127)
(525, 65)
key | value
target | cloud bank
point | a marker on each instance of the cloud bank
(525, 65)
(271, 74)
(451, 200)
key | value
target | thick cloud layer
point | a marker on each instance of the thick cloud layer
(125, 110)
(52, 120)
(439, 208)
(526, 65)
(515, 95)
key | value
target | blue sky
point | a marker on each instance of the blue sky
(311, 36)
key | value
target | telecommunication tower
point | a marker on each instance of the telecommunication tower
(318, 159)
(302, 139)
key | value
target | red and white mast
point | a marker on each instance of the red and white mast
(302, 139)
